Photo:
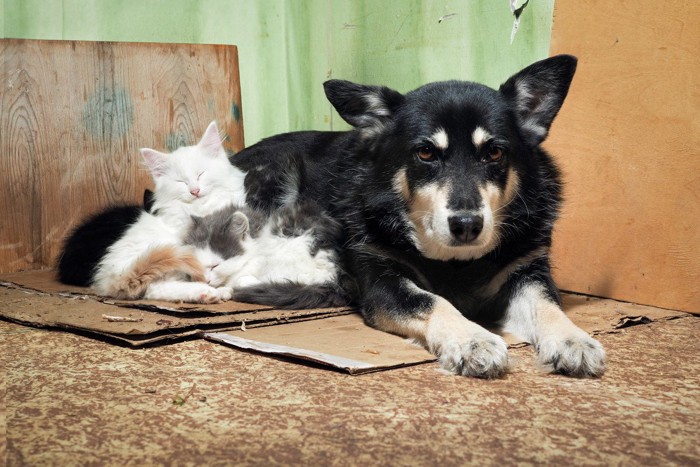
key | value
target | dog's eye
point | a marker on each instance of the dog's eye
(426, 153)
(495, 154)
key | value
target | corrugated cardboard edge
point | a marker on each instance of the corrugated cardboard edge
(596, 316)
(334, 361)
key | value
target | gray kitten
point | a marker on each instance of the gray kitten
(285, 259)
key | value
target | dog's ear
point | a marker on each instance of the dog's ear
(537, 93)
(368, 108)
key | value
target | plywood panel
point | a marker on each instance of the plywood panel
(73, 117)
(628, 140)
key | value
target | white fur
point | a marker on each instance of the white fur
(376, 105)
(462, 346)
(146, 233)
(191, 292)
(270, 258)
(561, 345)
(480, 136)
(193, 180)
(203, 169)
(440, 139)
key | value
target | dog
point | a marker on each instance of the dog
(447, 201)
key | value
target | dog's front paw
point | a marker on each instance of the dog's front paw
(576, 355)
(483, 355)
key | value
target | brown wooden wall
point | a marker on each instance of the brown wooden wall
(74, 115)
(628, 140)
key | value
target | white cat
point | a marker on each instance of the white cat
(193, 180)
(127, 252)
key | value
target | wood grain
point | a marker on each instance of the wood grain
(628, 140)
(74, 115)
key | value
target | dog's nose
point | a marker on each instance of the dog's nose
(466, 227)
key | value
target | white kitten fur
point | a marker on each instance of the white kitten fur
(185, 179)
(193, 180)
(269, 258)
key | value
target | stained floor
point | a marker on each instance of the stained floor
(70, 399)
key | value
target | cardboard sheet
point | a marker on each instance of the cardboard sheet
(341, 342)
(35, 298)
(333, 337)
(345, 343)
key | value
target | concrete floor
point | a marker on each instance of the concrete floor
(70, 399)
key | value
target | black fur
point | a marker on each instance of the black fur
(350, 174)
(293, 296)
(88, 243)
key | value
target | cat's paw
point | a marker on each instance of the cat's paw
(577, 355)
(208, 294)
(225, 293)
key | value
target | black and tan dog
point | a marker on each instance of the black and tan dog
(448, 202)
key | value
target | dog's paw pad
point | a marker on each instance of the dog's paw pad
(580, 356)
(482, 356)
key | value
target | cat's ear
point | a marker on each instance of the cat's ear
(157, 162)
(211, 140)
(239, 224)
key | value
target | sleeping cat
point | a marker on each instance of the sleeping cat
(126, 252)
(285, 258)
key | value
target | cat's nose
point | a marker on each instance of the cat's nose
(194, 191)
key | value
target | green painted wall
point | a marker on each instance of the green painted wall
(287, 48)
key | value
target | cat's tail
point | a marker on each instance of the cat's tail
(295, 296)
(156, 264)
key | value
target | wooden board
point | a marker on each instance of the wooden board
(74, 115)
(628, 140)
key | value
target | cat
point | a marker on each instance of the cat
(285, 258)
(129, 253)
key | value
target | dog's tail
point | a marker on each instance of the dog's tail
(156, 264)
(295, 296)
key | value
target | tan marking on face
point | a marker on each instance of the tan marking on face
(495, 198)
(480, 136)
(439, 139)
(428, 212)
(400, 185)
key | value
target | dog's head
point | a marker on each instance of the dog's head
(455, 152)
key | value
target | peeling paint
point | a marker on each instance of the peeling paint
(447, 17)
(516, 8)
(108, 113)
(236, 112)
